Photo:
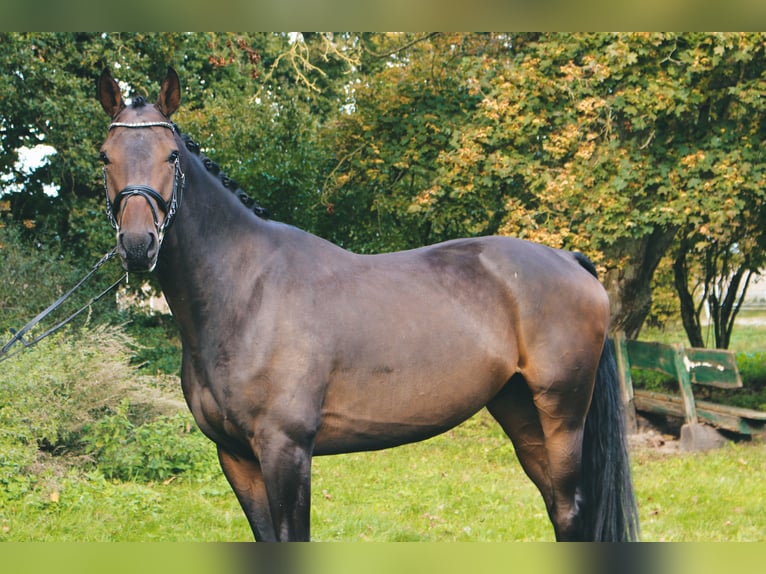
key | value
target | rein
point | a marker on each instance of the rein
(18, 336)
(169, 209)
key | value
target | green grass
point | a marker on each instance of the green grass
(703, 497)
(465, 485)
(89, 508)
(745, 338)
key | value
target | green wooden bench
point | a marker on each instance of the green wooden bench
(689, 366)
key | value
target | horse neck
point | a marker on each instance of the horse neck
(202, 254)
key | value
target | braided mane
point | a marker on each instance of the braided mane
(211, 166)
(225, 180)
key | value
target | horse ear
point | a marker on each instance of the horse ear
(109, 94)
(170, 94)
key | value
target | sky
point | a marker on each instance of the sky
(29, 159)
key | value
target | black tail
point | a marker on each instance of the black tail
(610, 513)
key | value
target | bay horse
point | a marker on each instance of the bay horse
(294, 347)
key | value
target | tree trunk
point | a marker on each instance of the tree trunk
(689, 311)
(630, 285)
(724, 312)
(724, 286)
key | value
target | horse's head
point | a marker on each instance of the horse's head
(142, 173)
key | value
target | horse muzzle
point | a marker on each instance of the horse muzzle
(138, 250)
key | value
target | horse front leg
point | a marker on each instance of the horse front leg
(286, 465)
(246, 480)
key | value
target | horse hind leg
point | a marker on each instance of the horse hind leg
(515, 411)
(562, 406)
(546, 431)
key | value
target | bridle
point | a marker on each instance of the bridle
(169, 209)
(112, 209)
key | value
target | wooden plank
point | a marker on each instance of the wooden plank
(653, 356)
(727, 419)
(626, 383)
(749, 414)
(713, 367)
(659, 403)
(743, 421)
(623, 366)
(668, 359)
(685, 384)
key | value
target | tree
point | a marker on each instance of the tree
(579, 141)
(254, 100)
(717, 283)
(48, 97)
(722, 243)
(410, 101)
(626, 147)
(262, 124)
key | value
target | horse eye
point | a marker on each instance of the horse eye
(173, 156)
(103, 157)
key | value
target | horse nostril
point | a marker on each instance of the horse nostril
(138, 250)
(151, 249)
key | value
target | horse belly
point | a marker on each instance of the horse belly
(374, 407)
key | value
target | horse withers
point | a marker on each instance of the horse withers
(294, 347)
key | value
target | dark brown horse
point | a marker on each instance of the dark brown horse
(294, 347)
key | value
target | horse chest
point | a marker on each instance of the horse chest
(215, 416)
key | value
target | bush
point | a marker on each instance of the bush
(752, 368)
(156, 450)
(40, 274)
(160, 351)
(648, 380)
(53, 396)
(15, 457)
(58, 387)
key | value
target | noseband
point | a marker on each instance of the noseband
(169, 209)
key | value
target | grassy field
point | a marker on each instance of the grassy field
(465, 485)
(749, 335)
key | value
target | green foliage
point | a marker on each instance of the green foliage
(653, 381)
(665, 305)
(39, 276)
(160, 349)
(64, 397)
(155, 450)
(270, 150)
(752, 367)
(605, 143)
(405, 115)
(613, 144)
(16, 457)
(53, 390)
(256, 98)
